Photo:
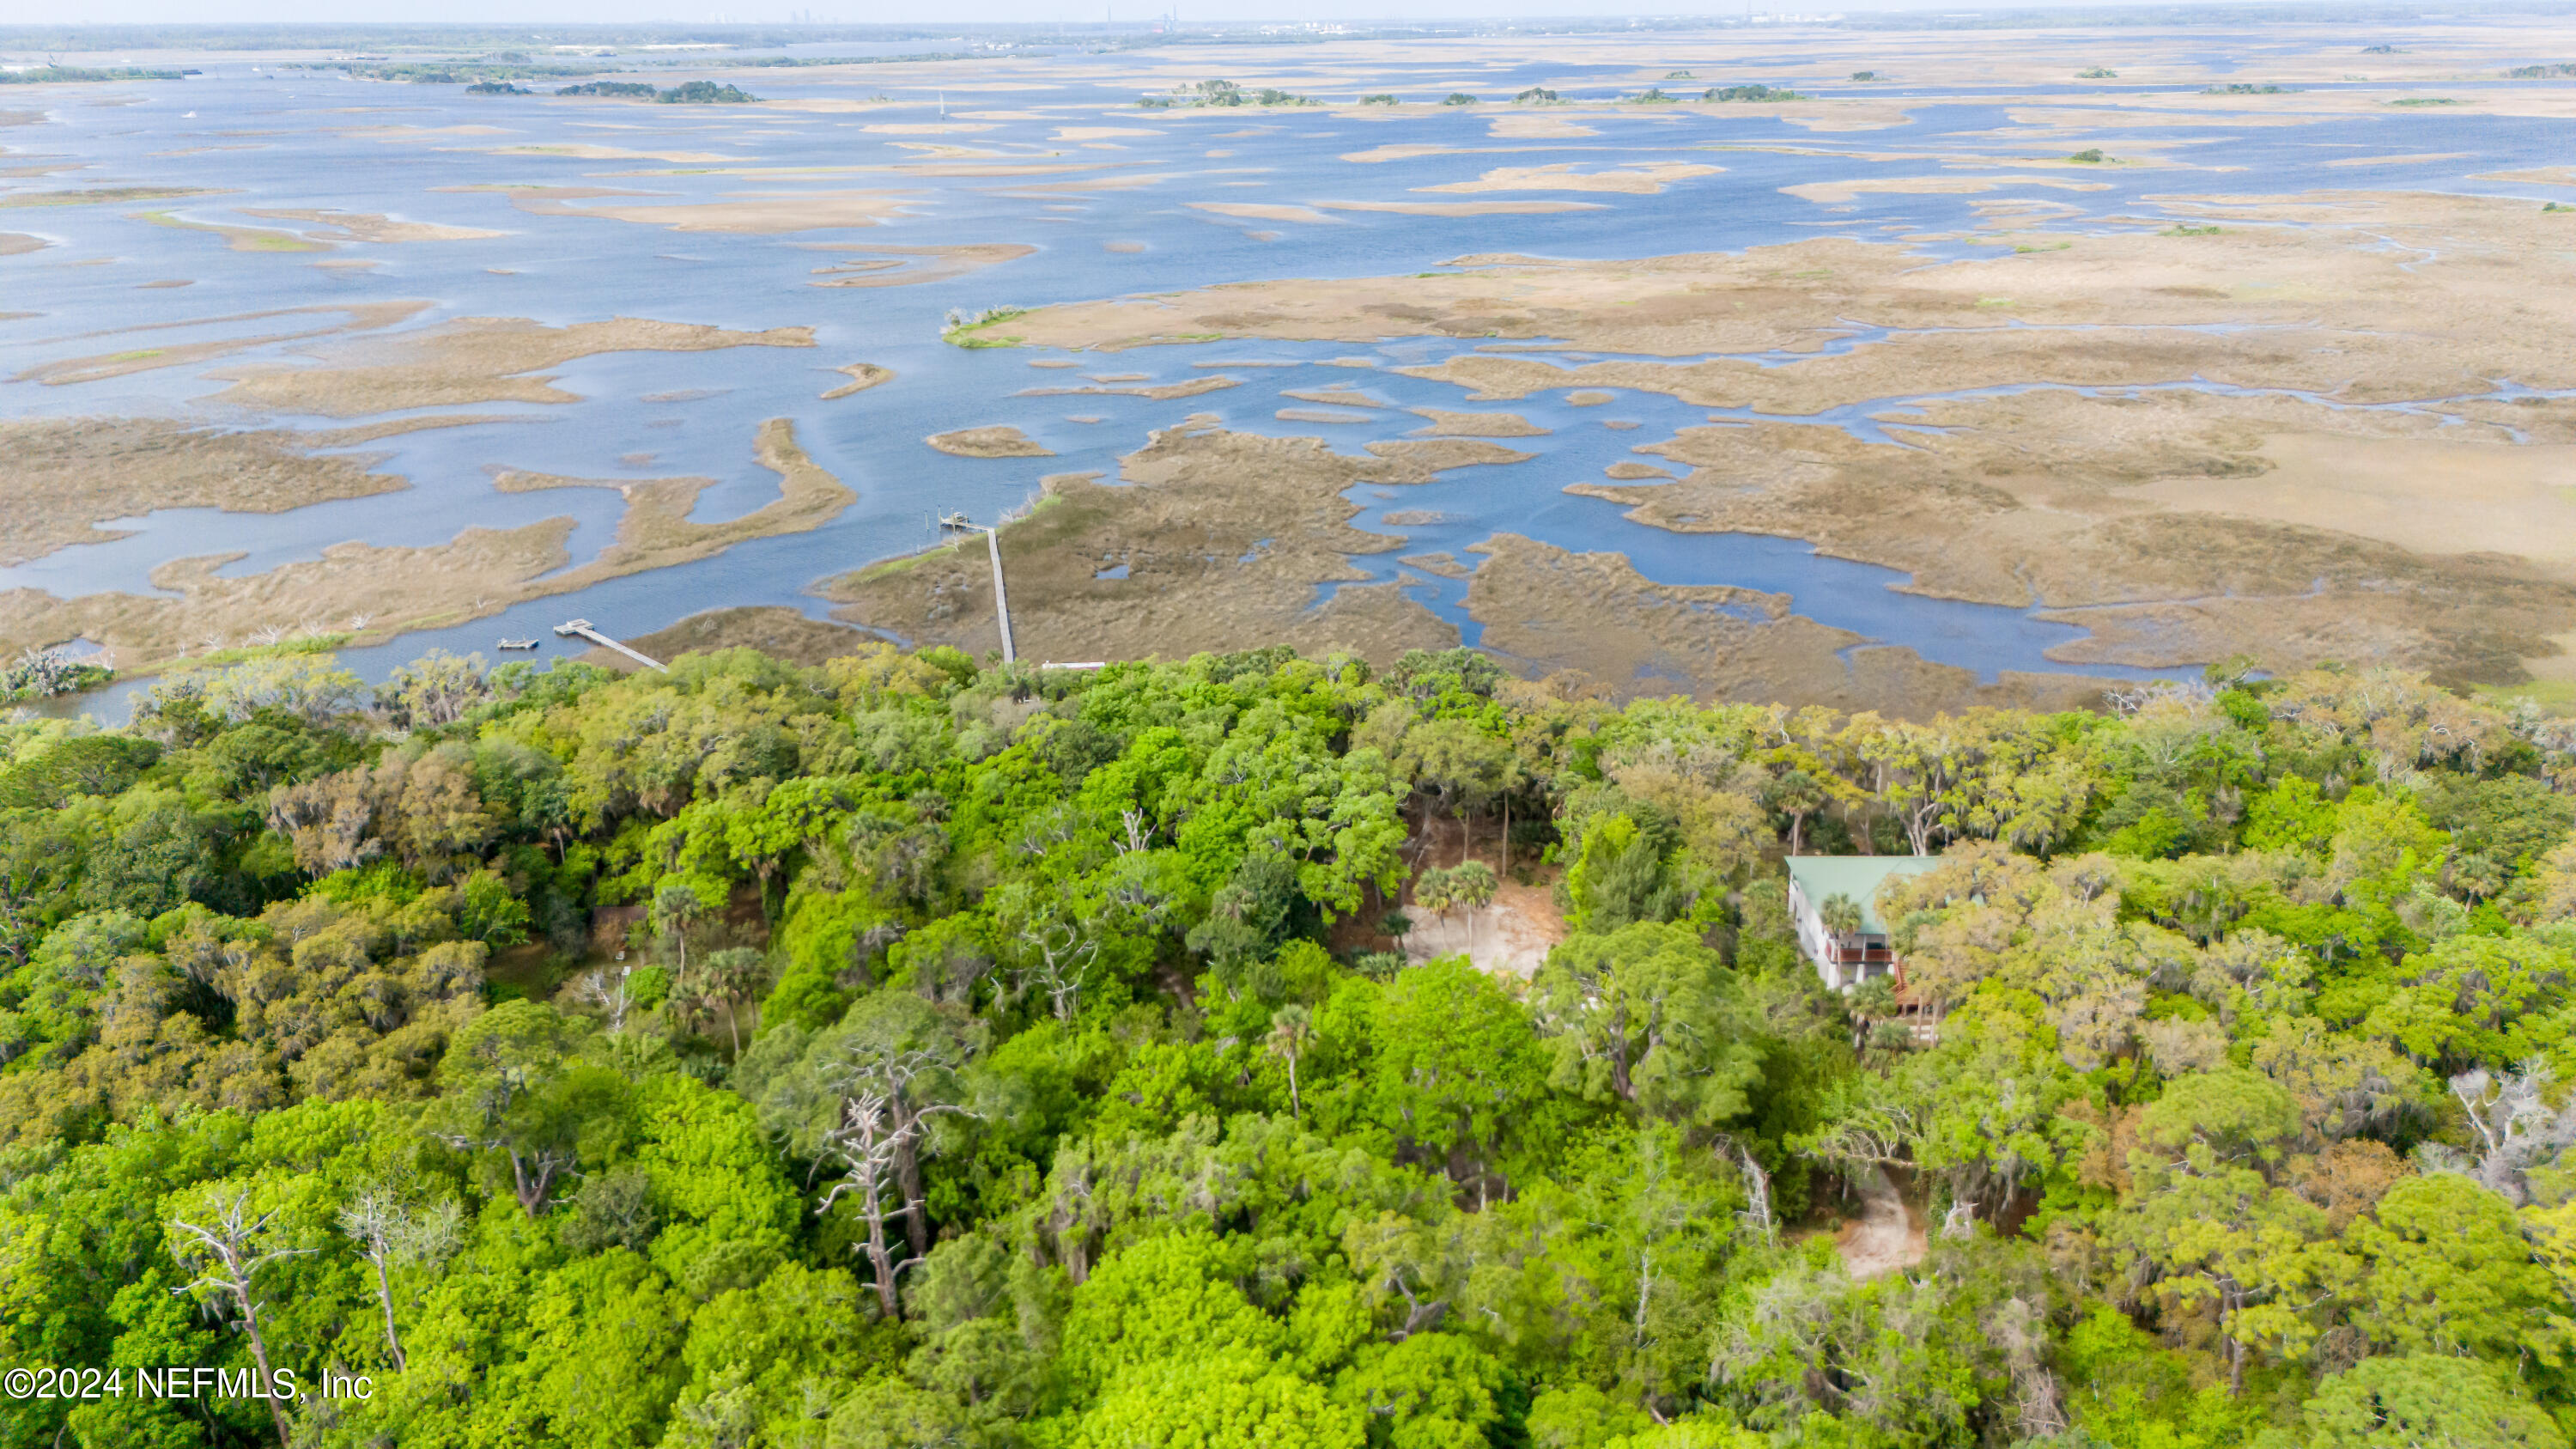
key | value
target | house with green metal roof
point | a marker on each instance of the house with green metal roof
(1845, 958)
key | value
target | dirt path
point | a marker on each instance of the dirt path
(1885, 1238)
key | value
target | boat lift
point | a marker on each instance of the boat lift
(581, 629)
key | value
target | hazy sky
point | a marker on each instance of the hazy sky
(861, 11)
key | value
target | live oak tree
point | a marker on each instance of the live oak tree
(1650, 1015)
(2240, 1097)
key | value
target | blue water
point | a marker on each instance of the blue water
(303, 146)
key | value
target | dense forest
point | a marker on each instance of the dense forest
(911, 1052)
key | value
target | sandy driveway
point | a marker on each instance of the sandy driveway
(1884, 1239)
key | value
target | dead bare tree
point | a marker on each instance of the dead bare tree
(2515, 1124)
(226, 1256)
(1133, 821)
(877, 1133)
(1757, 1187)
(605, 988)
(374, 1221)
(2020, 1332)
(1062, 968)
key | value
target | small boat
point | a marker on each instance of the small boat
(955, 520)
(518, 643)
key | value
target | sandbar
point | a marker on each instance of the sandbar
(749, 213)
(1462, 208)
(1449, 424)
(2425, 159)
(1830, 192)
(585, 152)
(16, 243)
(1160, 392)
(889, 266)
(238, 238)
(94, 195)
(1264, 211)
(361, 317)
(1537, 127)
(474, 359)
(863, 375)
(1636, 178)
(1340, 396)
(372, 227)
(998, 441)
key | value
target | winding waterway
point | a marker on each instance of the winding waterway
(1110, 198)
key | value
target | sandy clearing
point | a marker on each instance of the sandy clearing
(1883, 1239)
(1510, 937)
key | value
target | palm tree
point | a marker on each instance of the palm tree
(1841, 915)
(1472, 885)
(1432, 891)
(1291, 1028)
(731, 976)
(1797, 795)
(675, 907)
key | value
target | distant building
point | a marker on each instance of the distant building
(1846, 959)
